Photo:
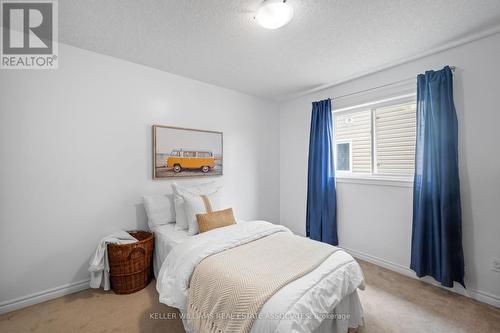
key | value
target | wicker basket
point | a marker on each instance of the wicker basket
(130, 265)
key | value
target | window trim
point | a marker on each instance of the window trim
(343, 172)
(373, 178)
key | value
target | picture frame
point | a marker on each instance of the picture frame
(180, 152)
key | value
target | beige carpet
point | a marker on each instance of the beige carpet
(392, 303)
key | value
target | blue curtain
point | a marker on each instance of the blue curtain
(437, 221)
(321, 216)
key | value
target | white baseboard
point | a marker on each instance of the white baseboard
(74, 287)
(478, 295)
(43, 296)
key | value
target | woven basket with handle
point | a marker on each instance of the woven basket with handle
(130, 265)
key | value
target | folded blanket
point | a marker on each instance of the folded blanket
(99, 265)
(229, 288)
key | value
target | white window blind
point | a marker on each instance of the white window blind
(382, 139)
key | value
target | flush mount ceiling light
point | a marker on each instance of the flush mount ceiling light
(274, 14)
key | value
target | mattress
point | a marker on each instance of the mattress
(166, 238)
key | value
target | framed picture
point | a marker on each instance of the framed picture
(185, 152)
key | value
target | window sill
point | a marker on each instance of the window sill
(374, 180)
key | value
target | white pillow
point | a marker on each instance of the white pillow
(179, 190)
(181, 221)
(160, 210)
(199, 204)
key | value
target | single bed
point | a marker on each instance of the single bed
(329, 291)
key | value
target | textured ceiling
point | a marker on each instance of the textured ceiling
(217, 41)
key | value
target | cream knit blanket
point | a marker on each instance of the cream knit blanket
(228, 289)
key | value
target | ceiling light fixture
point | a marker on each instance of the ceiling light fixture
(274, 14)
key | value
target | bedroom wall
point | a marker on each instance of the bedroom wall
(75, 152)
(374, 221)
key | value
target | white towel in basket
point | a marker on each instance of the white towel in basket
(99, 265)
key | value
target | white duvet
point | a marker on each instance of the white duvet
(301, 306)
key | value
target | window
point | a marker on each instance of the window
(376, 140)
(395, 137)
(355, 127)
(204, 154)
(189, 154)
(343, 156)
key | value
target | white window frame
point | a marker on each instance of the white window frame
(343, 172)
(373, 178)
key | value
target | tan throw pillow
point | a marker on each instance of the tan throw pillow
(214, 220)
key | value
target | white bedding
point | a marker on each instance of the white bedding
(330, 288)
(167, 237)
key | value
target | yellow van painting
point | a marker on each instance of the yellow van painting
(182, 159)
(184, 152)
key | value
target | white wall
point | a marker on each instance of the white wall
(75, 152)
(374, 221)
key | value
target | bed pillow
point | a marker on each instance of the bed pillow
(179, 191)
(180, 215)
(199, 204)
(159, 209)
(214, 220)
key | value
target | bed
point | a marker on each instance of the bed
(324, 300)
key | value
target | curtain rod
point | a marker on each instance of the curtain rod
(408, 80)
